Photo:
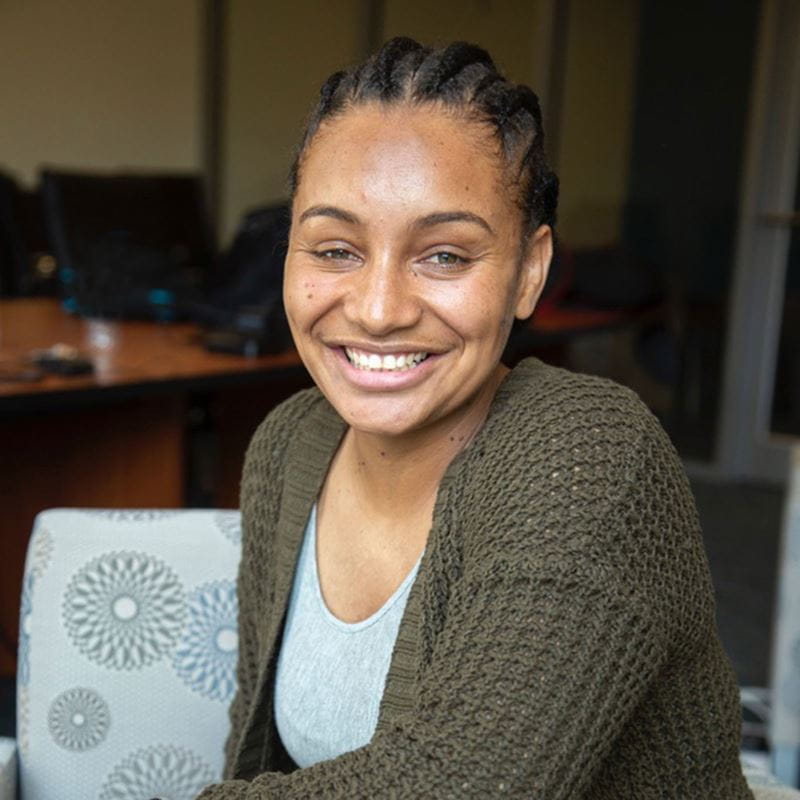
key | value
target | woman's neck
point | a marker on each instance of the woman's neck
(395, 473)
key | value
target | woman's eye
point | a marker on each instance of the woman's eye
(445, 258)
(334, 254)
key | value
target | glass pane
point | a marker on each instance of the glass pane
(650, 153)
(786, 398)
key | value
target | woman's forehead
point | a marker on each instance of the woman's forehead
(431, 118)
(404, 154)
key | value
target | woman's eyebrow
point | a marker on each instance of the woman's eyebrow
(330, 211)
(440, 217)
(428, 221)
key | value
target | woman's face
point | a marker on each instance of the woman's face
(405, 267)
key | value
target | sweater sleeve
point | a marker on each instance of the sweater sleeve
(539, 665)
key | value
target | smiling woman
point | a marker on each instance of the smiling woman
(459, 580)
(405, 251)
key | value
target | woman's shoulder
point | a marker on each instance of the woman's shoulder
(575, 477)
(568, 452)
(545, 416)
(557, 398)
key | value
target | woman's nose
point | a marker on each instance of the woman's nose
(383, 298)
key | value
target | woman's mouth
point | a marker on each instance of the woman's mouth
(389, 362)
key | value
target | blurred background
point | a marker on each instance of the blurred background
(674, 128)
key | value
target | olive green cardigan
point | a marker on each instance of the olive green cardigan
(559, 640)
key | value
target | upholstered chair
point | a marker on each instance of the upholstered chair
(127, 655)
(127, 658)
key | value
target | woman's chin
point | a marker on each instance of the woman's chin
(382, 419)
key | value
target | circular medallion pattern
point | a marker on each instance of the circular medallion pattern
(23, 720)
(163, 771)
(205, 658)
(78, 719)
(124, 610)
(24, 649)
(131, 514)
(230, 525)
(41, 549)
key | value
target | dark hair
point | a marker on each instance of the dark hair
(462, 77)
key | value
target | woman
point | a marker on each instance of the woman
(459, 581)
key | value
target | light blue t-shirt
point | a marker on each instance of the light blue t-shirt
(331, 674)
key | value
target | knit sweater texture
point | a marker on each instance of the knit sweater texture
(559, 640)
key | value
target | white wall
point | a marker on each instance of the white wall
(100, 84)
(118, 83)
(596, 120)
(506, 28)
(279, 53)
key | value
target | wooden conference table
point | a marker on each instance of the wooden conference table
(124, 436)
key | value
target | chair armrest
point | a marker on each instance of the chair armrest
(8, 769)
(774, 793)
(763, 784)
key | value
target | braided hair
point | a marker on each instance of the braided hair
(461, 77)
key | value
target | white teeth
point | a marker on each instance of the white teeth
(387, 363)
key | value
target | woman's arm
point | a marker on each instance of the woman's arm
(525, 696)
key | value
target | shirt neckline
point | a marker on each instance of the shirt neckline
(308, 458)
(328, 615)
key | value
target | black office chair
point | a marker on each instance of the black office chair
(26, 266)
(130, 244)
(12, 252)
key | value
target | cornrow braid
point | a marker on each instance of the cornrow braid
(443, 74)
(462, 77)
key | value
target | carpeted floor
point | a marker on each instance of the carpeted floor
(741, 528)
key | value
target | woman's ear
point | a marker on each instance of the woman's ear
(533, 270)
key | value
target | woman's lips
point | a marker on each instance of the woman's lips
(384, 371)
(365, 359)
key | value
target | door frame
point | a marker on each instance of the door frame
(745, 446)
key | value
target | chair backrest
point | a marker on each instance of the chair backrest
(127, 653)
(24, 259)
(12, 249)
(119, 238)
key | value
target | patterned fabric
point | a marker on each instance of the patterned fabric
(160, 771)
(124, 610)
(128, 652)
(559, 641)
(205, 658)
(25, 612)
(230, 524)
(78, 719)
